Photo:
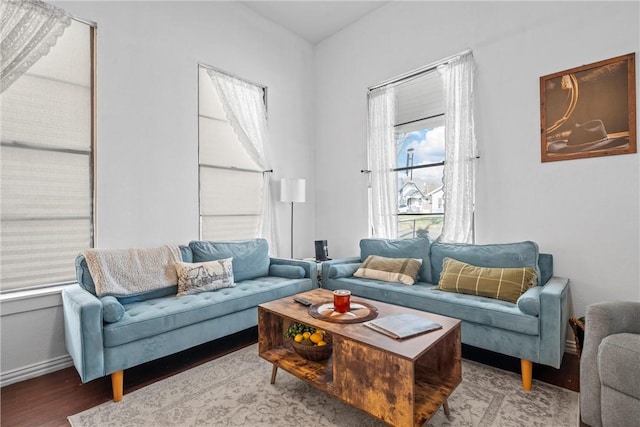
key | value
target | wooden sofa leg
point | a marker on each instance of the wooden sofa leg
(526, 366)
(117, 385)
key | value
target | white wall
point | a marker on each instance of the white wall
(147, 145)
(518, 197)
(147, 134)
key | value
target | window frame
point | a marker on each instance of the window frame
(395, 172)
(416, 216)
(454, 83)
(203, 66)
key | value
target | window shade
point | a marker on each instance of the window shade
(417, 99)
(46, 161)
(219, 145)
(232, 227)
(227, 192)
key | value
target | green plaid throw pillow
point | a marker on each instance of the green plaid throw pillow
(501, 283)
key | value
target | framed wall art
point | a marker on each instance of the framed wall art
(589, 111)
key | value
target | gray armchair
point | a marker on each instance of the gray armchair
(610, 365)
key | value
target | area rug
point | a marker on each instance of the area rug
(234, 390)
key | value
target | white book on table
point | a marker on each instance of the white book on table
(402, 325)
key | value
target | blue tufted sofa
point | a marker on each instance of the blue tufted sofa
(533, 329)
(107, 335)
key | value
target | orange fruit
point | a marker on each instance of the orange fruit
(316, 338)
(298, 338)
(321, 343)
(306, 335)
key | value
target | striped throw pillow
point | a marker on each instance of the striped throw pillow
(500, 283)
(398, 270)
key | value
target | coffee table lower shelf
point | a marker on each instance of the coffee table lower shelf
(319, 374)
(430, 389)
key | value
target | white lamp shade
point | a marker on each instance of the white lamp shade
(292, 190)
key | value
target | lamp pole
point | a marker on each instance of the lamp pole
(291, 230)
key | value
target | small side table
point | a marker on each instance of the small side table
(319, 264)
(577, 326)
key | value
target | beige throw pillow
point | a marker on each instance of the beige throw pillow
(204, 276)
(398, 270)
(500, 283)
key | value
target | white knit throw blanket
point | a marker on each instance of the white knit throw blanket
(127, 272)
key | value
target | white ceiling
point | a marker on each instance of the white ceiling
(314, 21)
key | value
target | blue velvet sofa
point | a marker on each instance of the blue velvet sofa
(533, 329)
(107, 335)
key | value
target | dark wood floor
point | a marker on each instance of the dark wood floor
(49, 399)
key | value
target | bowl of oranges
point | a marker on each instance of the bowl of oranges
(311, 343)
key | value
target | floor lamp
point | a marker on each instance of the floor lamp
(292, 191)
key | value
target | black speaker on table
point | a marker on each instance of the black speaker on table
(322, 251)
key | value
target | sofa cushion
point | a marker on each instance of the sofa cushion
(199, 277)
(618, 355)
(153, 317)
(83, 275)
(112, 310)
(185, 253)
(287, 271)
(157, 293)
(400, 270)
(250, 257)
(400, 248)
(423, 296)
(506, 284)
(545, 262)
(504, 255)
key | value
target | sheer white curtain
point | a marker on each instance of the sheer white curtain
(382, 159)
(244, 105)
(460, 150)
(28, 30)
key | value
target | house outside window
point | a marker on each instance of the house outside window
(47, 161)
(420, 150)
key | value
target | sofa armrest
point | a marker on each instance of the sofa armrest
(310, 267)
(326, 265)
(338, 271)
(601, 320)
(83, 331)
(554, 320)
(608, 318)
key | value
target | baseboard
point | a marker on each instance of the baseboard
(35, 370)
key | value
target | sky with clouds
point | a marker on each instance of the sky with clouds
(428, 147)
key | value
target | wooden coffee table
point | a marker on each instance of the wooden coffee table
(402, 383)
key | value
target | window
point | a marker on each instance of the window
(46, 157)
(231, 181)
(418, 123)
(419, 138)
